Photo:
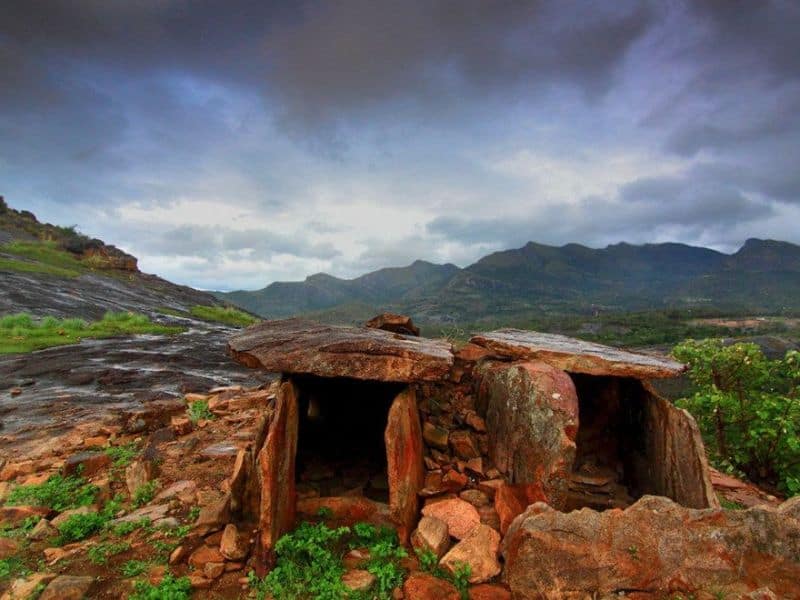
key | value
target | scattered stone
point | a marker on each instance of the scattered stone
(431, 534)
(138, 473)
(15, 391)
(435, 436)
(213, 516)
(488, 591)
(475, 497)
(14, 470)
(67, 587)
(91, 463)
(185, 491)
(177, 555)
(652, 546)
(463, 444)
(205, 554)
(198, 582)
(64, 516)
(43, 530)
(423, 586)
(192, 397)
(460, 516)
(358, 580)
(24, 587)
(490, 486)
(479, 551)
(475, 465)
(155, 512)
(181, 425)
(213, 570)
(12, 517)
(453, 481)
(477, 423)
(8, 547)
(95, 442)
(233, 546)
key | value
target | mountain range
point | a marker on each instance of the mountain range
(763, 276)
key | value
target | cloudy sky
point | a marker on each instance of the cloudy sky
(232, 143)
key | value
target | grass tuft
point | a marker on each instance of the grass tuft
(223, 314)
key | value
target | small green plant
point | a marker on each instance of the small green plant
(193, 514)
(145, 493)
(198, 410)
(58, 492)
(428, 561)
(100, 553)
(79, 527)
(633, 551)
(132, 568)
(324, 512)
(460, 579)
(122, 456)
(170, 588)
(12, 567)
(128, 527)
(729, 504)
(223, 314)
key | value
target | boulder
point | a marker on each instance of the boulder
(12, 517)
(656, 546)
(26, 587)
(394, 323)
(532, 420)
(423, 586)
(576, 356)
(233, 545)
(213, 516)
(479, 551)
(304, 347)
(460, 516)
(205, 554)
(431, 534)
(67, 587)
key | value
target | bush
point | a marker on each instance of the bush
(145, 493)
(747, 408)
(170, 588)
(198, 410)
(58, 492)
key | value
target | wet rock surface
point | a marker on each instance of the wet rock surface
(96, 380)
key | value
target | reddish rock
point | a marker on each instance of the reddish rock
(405, 469)
(299, 346)
(423, 586)
(489, 591)
(275, 464)
(395, 323)
(460, 516)
(489, 516)
(345, 510)
(138, 473)
(532, 419)
(358, 580)
(181, 425)
(205, 554)
(88, 463)
(66, 587)
(479, 551)
(512, 500)
(10, 546)
(27, 587)
(213, 516)
(13, 516)
(431, 534)
(490, 486)
(475, 465)
(435, 436)
(213, 570)
(791, 508)
(655, 546)
(477, 423)
(463, 445)
(453, 481)
(233, 546)
(576, 356)
(475, 497)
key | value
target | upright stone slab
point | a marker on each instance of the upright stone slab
(576, 356)
(275, 467)
(404, 453)
(532, 420)
(296, 346)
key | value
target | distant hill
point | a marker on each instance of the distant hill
(52, 270)
(762, 277)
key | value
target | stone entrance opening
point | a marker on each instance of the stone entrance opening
(340, 448)
(603, 474)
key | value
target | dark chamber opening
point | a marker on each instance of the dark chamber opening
(340, 447)
(609, 443)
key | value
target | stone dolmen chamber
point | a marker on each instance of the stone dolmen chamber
(372, 424)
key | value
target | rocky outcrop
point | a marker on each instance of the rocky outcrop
(576, 356)
(655, 547)
(296, 346)
(394, 323)
(532, 420)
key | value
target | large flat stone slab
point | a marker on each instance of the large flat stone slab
(576, 356)
(304, 347)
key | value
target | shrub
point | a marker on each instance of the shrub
(198, 410)
(747, 408)
(100, 553)
(58, 492)
(170, 588)
(79, 527)
(122, 456)
(145, 493)
(132, 568)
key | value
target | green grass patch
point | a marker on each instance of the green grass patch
(132, 568)
(100, 553)
(170, 588)
(145, 493)
(12, 567)
(223, 314)
(22, 333)
(45, 253)
(58, 492)
(122, 456)
(198, 410)
(24, 266)
(310, 563)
